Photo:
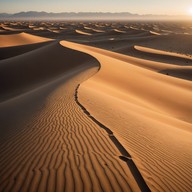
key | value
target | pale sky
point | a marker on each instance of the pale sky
(169, 7)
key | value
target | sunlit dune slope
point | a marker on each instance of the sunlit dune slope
(159, 52)
(82, 32)
(149, 112)
(147, 94)
(20, 39)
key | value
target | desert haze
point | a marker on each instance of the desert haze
(42, 15)
(96, 106)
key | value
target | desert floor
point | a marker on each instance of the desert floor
(95, 106)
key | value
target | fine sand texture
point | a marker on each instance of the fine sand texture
(95, 106)
(137, 105)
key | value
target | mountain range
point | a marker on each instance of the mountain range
(85, 15)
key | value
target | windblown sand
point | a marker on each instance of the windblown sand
(95, 106)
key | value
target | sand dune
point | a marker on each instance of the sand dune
(87, 28)
(146, 74)
(82, 32)
(119, 31)
(177, 43)
(125, 101)
(8, 52)
(12, 29)
(97, 30)
(15, 80)
(172, 64)
(50, 143)
(155, 33)
(20, 39)
(164, 58)
(47, 146)
(159, 52)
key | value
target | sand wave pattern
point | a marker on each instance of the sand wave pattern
(125, 156)
(58, 147)
(61, 149)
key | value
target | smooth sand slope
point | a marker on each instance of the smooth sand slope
(47, 141)
(20, 39)
(7, 52)
(82, 32)
(150, 113)
(159, 52)
(173, 64)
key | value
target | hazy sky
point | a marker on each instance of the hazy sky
(174, 7)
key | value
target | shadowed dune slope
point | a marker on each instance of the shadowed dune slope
(33, 68)
(7, 52)
(176, 43)
(159, 52)
(172, 64)
(20, 39)
(171, 43)
(158, 55)
(150, 113)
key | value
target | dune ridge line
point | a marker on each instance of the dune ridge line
(113, 97)
(125, 154)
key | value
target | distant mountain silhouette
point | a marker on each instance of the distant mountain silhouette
(84, 15)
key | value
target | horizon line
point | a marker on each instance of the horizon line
(94, 12)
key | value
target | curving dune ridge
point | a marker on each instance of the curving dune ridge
(129, 107)
(20, 39)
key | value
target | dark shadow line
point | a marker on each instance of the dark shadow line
(125, 155)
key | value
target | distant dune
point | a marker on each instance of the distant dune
(95, 106)
(20, 39)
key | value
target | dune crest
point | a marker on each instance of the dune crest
(20, 39)
(82, 32)
(160, 52)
